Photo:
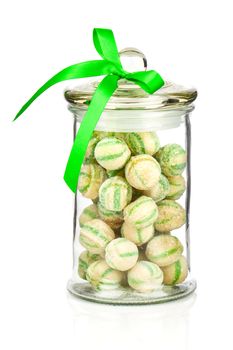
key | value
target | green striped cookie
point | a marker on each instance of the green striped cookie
(112, 153)
(141, 213)
(88, 214)
(95, 235)
(142, 172)
(177, 187)
(85, 259)
(115, 193)
(160, 190)
(121, 254)
(139, 236)
(113, 218)
(89, 156)
(143, 142)
(171, 216)
(164, 250)
(90, 179)
(103, 277)
(145, 277)
(172, 159)
(176, 273)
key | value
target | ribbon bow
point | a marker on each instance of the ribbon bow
(105, 45)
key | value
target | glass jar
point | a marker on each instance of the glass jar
(131, 241)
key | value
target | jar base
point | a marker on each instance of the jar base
(125, 296)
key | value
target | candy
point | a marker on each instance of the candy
(172, 159)
(115, 193)
(89, 156)
(113, 218)
(95, 235)
(90, 179)
(171, 216)
(164, 250)
(121, 254)
(112, 153)
(160, 190)
(145, 276)
(142, 142)
(103, 277)
(139, 236)
(175, 273)
(141, 213)
(88, 214)
(142, 172)
(86, 259)
(177, 187)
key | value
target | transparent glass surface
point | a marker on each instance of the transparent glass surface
(130, 285)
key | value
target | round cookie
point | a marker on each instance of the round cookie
(112, 153)
(139, 236)
(89, 156)
(90, 179)
(141, 213)
(177, 187)
(103, 277)
(164, 250)
(160, 190)
(84, 260)
(172, 159)
(113, 218)
(88, 214)
(171, 216)
(175, 273)
(115, 193)
(145, 277)
(142, 142)
(95, 235)
(142, 172)
(121, 254)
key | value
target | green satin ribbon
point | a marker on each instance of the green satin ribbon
(105, 45)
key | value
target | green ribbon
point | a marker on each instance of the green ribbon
(105, 45)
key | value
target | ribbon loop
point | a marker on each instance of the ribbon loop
(150, 80)
(105, 44)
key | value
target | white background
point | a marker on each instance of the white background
(189, 42)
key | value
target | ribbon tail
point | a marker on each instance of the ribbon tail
(100, 98)
(80, 70)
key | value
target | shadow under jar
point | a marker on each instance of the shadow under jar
(131, 214)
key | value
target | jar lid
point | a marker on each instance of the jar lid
(130, 96)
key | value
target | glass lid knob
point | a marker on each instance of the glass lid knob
(133, 60)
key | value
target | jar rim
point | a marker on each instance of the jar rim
(130, 96)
